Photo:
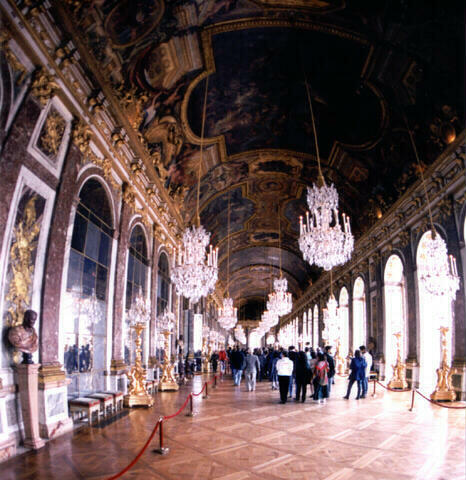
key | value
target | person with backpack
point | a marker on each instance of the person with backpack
(321, 379)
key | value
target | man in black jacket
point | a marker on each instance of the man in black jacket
(331, 367)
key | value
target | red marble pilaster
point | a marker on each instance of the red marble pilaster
(120, 280)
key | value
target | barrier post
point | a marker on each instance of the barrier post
(191, 412)
(206, 390)
(375, 382)
(162, 450)
(412, 398)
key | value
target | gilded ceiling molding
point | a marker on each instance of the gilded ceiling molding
(318, 6)
(243, 24)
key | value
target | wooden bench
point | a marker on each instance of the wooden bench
(117, 399)
(106, 402)
(86, 405)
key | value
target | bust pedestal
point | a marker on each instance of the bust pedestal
(28, 390)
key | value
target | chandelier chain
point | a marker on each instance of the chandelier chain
(423, 180)
(321, 177)
(204, 110)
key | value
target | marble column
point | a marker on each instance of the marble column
(118, 365)
(52, 381)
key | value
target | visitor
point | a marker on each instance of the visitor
(214, 361)
(284, 371)
(358, 374)
(237, 365)
(331, 367)
(321, 384)
(222, 358)
(273, 370)
(251, 369)
(303, 376)
(312, 378)
(368, 358)
(292, 354)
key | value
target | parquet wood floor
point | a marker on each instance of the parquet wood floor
(239, 435)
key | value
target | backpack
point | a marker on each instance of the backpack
(321, 373)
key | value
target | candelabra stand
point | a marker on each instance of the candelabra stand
(168, 380)
(398, 380)
(206, 368)
(443, 390)
(339, 360)
(137, 393)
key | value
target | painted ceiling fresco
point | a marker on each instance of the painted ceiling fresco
(368, 65)
(257, 96)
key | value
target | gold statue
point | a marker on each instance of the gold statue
(52, 134)
(398, 380)
(137, 393)
(443, 390)
(21, 250)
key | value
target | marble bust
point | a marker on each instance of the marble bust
(24, 337)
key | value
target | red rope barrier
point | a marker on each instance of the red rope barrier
(457, 407)
(392, 389)
(168, 417)
(203, 388)
(139, 455)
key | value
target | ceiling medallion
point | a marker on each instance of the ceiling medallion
(322, 240)
(195, 273)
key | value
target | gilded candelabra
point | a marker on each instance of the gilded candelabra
(443, 390)
(339, 360)
(168, 380)
(137, 393)
(398, 380)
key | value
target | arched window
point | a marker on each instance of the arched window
(136, 277)
(343, 317)
(315, 327)
(163, 284)
(309, 326)
(136, 281)
(434, 312)
(395, 312)
(87, 286)
(359, 313)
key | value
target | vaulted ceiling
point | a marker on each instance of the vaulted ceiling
(368, 64)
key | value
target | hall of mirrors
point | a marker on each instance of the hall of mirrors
(124, 139)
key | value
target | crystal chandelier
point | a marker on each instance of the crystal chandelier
(438, 274)
(280, 301)
(239, 334)
(322, 240)
(195, 273)
(331, 321)
(227, 314)
(139, 311)
(166, 321)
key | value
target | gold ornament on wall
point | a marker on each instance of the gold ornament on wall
(51, 135)
(25, 241)
(11, 58)
(43, 86)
